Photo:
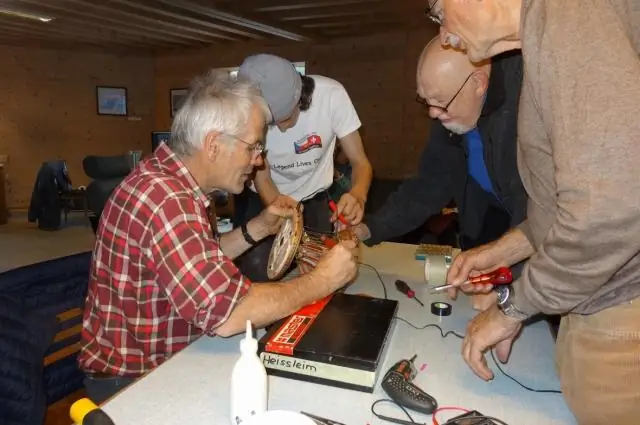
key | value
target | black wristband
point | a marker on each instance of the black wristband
(247, 236)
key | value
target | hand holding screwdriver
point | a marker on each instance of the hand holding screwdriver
(500, 276)
(402, 286)
(334, 208)
(480, 259)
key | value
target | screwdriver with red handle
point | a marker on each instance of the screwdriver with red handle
(500, 276)
(334, 208)
(405, 289)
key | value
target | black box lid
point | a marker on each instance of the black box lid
(351, 331)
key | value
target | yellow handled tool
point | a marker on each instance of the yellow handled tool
(85, 412)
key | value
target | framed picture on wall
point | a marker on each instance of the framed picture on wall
(177, 96)
(111, 100)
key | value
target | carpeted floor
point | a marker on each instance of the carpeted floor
(22, 243)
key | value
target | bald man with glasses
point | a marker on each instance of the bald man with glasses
(471, 153)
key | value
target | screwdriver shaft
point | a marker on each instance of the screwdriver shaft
(442, 288)
(500, 276)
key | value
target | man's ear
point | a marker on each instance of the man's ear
(212, 145)
(481, 79)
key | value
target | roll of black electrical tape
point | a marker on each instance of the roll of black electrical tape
(440, 309)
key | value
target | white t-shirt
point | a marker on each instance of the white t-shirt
(301, 158)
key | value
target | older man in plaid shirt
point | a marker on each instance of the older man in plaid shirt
(161, 276)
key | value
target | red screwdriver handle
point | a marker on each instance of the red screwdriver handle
(334, 208)
(328, 242)
(500, 276)
(503, 276)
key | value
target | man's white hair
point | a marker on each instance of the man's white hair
(215, 102)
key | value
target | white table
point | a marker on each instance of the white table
(192, 388)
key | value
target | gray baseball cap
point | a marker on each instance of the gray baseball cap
(279, 82)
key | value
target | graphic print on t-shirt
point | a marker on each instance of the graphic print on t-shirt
(308, 142)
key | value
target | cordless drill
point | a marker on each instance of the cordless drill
(398, 385)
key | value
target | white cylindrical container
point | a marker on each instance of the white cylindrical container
(249, 386)
(436, 268)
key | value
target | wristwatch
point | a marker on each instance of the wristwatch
(506, 304)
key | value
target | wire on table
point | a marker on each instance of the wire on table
(434, 420)
(384, 286)
(471, 421)
(443, 334)
(456, 334)
(478, 419)
(450, 332)
(533, 390)
(388, 418)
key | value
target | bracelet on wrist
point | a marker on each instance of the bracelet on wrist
(247, 236)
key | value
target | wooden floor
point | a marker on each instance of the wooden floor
(58, 413)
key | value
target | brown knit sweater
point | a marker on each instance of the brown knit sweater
(579, 154)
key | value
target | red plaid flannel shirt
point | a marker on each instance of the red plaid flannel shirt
(158, 278)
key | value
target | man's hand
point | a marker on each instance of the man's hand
(339, 265)
(285, 201)
(351, 207)
(271, 217)
(482, 302)
(488, 329)
(361, 231)
(473, 262)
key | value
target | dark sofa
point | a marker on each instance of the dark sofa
(40, 321)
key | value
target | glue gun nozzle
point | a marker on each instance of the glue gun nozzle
(412, 359)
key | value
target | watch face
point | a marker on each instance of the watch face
(503, 294)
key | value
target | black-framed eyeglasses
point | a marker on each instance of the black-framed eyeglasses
(255, 149)
(435, 17)
(445, 108)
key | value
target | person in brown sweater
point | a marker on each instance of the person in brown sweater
(579, 147)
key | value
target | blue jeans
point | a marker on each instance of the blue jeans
(100, 388)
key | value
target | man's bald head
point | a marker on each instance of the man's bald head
(442, 71)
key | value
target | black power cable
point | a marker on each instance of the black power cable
(384, 287)
(444, 334)
(476, 419)
(447, 333)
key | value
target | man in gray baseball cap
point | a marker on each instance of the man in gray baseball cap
(279, 81)
(311, 115)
